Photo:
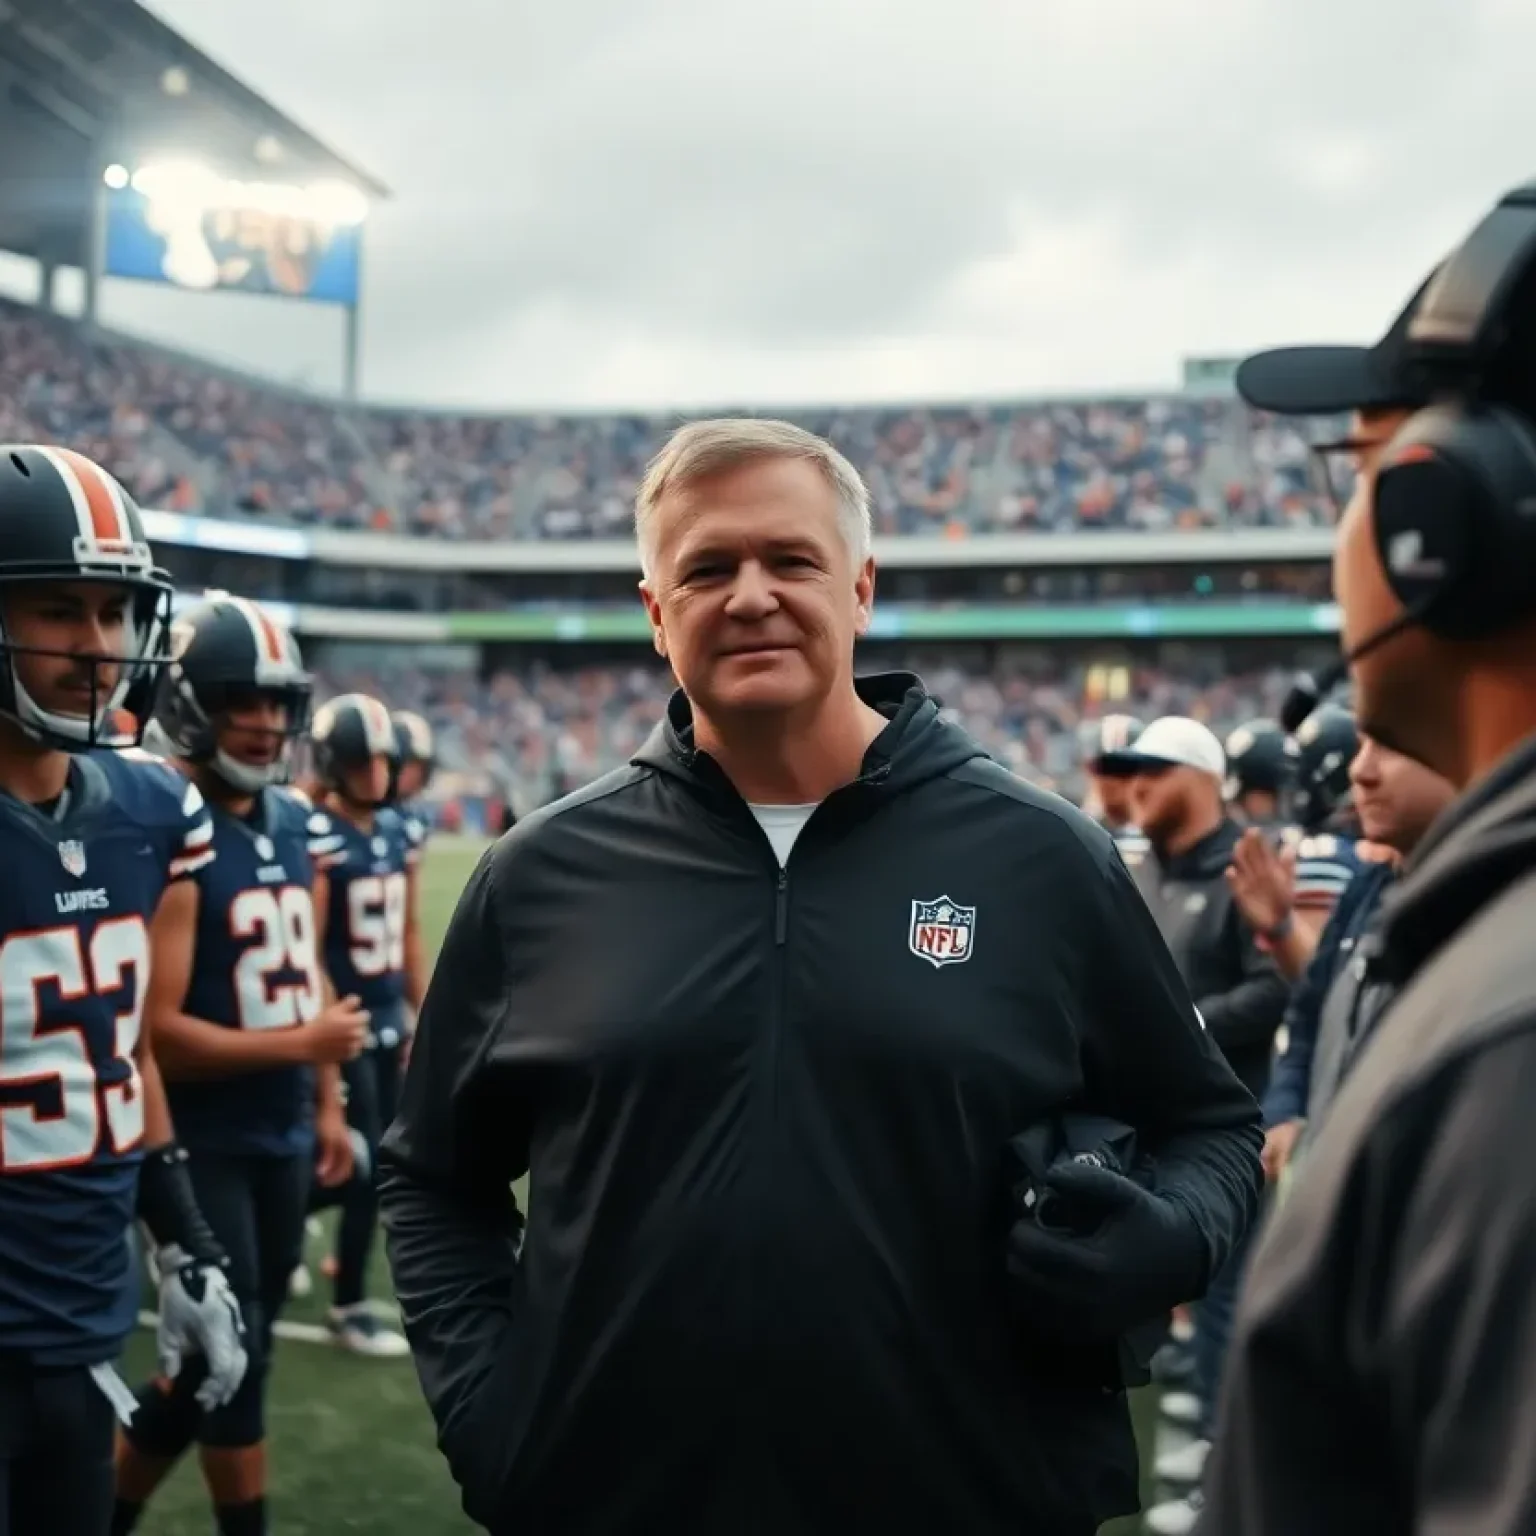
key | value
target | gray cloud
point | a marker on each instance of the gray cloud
(714, 198)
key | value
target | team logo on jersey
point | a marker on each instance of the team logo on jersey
(942, 932)
(72, 857)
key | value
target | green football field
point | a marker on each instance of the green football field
(351, 1444)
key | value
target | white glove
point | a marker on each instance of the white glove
(199, 1315)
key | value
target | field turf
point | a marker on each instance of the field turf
(351, 1445)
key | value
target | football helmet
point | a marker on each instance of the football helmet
(1324, 746)
(1102, 738)
(1258, 758)
(224, 651)
(348, 731)
(414, 743)
(65, 519)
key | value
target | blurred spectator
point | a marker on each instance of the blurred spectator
(190, 436)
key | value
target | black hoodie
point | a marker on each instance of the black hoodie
(1383, 1372)
(762, 1286)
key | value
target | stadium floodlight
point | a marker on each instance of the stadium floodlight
(116, 177)
(188, 184)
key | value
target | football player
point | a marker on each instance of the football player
(1287, 893)
(1321, 804)
(373, 950)
(415, 761)
(1109, 787)
(249, 1044)
(97, 838)
(1258, 773)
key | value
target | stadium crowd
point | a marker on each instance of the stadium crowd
(539, 731)
(188, 436)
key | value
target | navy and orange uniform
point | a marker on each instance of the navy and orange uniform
(369, 873)
(82, 882)
(417, 824)
(256, 966)
(1326, 862)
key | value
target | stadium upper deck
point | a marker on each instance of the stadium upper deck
(191, 437)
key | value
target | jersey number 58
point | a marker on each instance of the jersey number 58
(376, 923)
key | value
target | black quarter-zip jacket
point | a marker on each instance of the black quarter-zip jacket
(1238, 990)
(1382, 1374)
(762, 1285)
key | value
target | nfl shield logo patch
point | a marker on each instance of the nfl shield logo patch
(72, 857)
(942, 932)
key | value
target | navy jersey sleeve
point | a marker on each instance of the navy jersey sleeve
(1285, 1098)
(177, 807)
(326, 845)
(414, 829)
(1325, 865)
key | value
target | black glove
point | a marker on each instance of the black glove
(1109, 1256)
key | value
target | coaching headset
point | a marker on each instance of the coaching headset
(1454, 507)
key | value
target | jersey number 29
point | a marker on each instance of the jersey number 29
(282, 922)
(53, 1057)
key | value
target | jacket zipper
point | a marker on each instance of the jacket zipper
(780, 990)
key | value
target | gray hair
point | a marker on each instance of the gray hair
(707, 447)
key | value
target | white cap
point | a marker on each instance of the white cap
(1177, 741)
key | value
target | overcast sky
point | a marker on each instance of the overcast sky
(692, 202)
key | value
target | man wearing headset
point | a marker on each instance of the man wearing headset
(1384, 1364)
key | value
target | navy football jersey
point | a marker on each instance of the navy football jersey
(1325, 864)
(80, 889)
(417, 824)
(369, 896)
(256, 966)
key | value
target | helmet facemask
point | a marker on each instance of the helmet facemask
(195, 722)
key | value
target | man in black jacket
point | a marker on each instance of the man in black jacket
(1384, 1368)
(1178, 800)
(758, 1014)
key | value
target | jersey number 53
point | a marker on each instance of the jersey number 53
(73, 1084)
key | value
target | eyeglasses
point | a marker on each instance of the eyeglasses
(1336, 467)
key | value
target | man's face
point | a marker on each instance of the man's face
(80, 622)
(1395, 797)
(367, 783)
(408, 785)
(753, 595)
(254, 729)
(1163, 800)
(1114, 795)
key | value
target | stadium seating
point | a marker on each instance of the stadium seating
(189, 436)
(543, 731)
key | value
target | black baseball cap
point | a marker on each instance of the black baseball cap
(1323, 381)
